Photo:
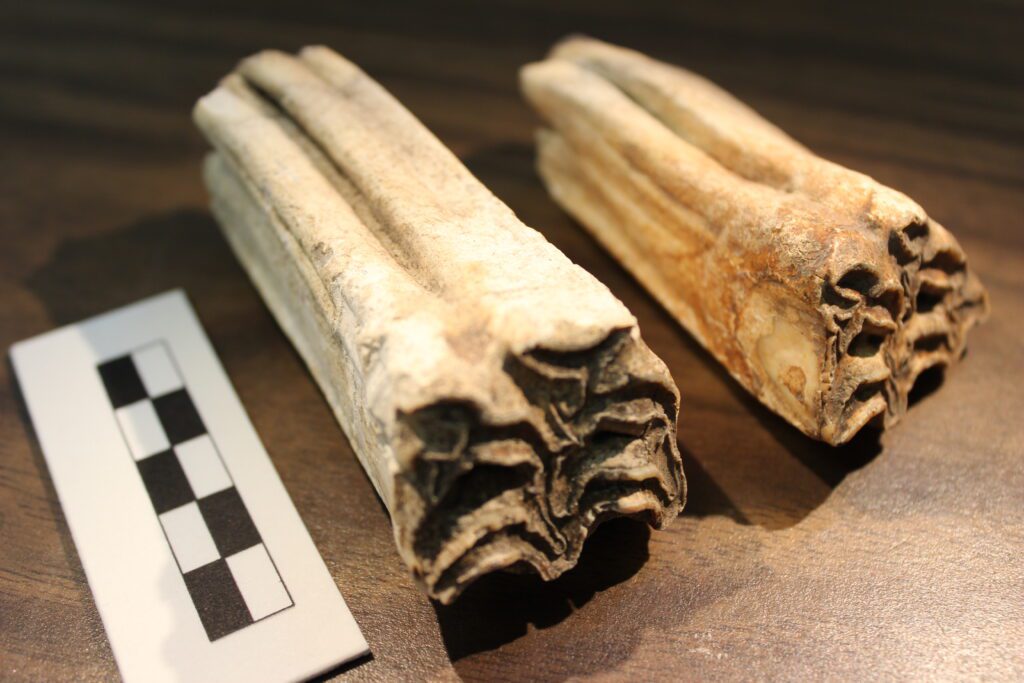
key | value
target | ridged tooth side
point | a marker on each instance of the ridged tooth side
(421, 195)
(581, 105)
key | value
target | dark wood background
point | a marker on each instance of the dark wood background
(895, 557)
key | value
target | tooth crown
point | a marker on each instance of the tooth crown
(499, 397)
(823, 292)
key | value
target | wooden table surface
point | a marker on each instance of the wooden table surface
(894, 557)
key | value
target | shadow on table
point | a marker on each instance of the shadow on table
(92, 275)
(502, 607)
(85, 277)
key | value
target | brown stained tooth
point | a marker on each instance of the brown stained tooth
(499, 397)
(806, 280)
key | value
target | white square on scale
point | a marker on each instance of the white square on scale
(157, 370)
(190, 540)
(142, 429)
(258, 581)
(203, 467)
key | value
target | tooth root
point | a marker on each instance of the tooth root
(805, 279)
(465, 357)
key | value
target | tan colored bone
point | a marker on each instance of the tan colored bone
(824, 293)
(499, 397)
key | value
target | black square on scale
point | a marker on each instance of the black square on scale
(179, 416)
(166, 482)
(229, 522)
(121, 378)
(216, 596)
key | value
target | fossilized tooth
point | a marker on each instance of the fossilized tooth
(499, 397)
(823, 292)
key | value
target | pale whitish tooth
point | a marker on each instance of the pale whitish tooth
(407, 288)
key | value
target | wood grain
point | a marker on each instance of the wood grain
(891, 558)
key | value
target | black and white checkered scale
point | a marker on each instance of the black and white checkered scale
(227, 569)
